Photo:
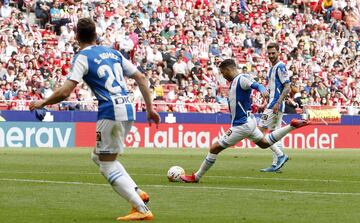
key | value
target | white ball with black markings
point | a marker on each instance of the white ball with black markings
(174, 173)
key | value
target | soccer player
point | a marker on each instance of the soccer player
(279, 88)
(243, 123)
(103, 69)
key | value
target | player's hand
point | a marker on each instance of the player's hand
(152, 115)
(36, 105)
(276, 108)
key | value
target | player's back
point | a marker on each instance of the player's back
(104, 73)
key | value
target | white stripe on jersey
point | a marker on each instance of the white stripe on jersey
(232, 98)
(278, 76)
(245, 83)
(79, 68)
(272, 84)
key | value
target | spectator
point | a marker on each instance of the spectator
(19, 103)
(328, 7)
(5, 10)
(42, 9)
(180, 69)
(46, 91)
(319, 55)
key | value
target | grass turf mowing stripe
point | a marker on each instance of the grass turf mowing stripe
(185, 187)
(224, 177)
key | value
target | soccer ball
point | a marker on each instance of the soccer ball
(174, 173)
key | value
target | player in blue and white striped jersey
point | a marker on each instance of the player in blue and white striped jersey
(103, 69)
(279, 88)
(243, 122)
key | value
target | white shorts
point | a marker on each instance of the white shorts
(237, 133)
(110, 136)
(270, 120)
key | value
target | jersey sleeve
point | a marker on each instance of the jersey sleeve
(79, 68)
(128, 67)
(246, 82)
(283, 74)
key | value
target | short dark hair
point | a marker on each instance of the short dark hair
(227, 63)
(273, 45)
(86, 30)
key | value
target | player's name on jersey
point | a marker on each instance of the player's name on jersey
(106, 55)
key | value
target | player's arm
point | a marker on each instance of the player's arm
(284, 94)
(59, 95)
(143, 86)
(247, 82)
(284, 79)
(259, 87)
(131, 71)
(77, 72)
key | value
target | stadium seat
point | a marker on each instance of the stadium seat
(170, 87)
(3, 106)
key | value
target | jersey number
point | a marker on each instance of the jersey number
(264, 117)
(116, 76)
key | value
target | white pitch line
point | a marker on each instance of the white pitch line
(208, 176)
(188, 187)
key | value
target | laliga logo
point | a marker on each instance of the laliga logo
(133, 137)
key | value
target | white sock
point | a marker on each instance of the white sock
(206, 165)
(276, 148)
(129, 179)
(121, 184)
(96, 160)
(276, 135)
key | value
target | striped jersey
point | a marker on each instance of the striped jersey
(239, 99)
(278, 76)
(103, 70)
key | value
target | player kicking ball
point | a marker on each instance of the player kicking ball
(243, 122)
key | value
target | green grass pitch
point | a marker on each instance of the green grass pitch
(63, 185)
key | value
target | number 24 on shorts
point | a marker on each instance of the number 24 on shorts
(228, 132)
(264, 117)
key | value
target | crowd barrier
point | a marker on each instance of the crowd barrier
(69, 129)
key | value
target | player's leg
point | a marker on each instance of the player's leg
(95, 157)
(110, 137)
(270, 121)
(208, 162)
(125, 129)
(230, 138)
(277, 135)
(277, 147)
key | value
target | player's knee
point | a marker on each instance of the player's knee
(262, 144)
(95, 158)
(121, 150)
(217, 148)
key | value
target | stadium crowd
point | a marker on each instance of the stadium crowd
(178, 45)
